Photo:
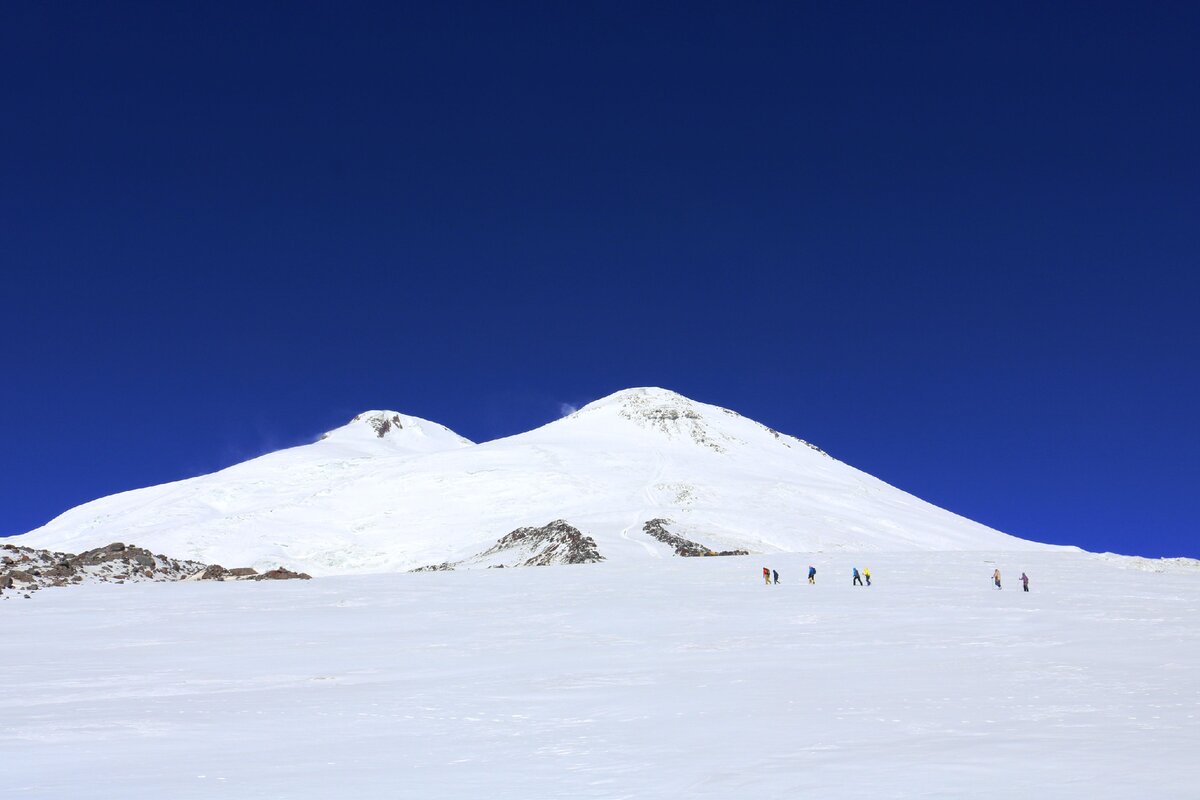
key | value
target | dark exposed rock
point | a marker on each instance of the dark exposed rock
(382, 423)
(656, 528)
(281, 574)
(114, 563)
(214, 572)
(676, 416)
(445, 566)
(101, 555)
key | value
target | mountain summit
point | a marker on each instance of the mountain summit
(677, 418)
(400, 432)
(642, 473)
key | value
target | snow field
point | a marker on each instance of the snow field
(666, 678)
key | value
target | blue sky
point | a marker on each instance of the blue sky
(953, 244)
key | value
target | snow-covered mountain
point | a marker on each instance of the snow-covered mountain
(392, 492)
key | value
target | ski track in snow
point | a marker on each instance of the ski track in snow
(645, 513)
(677, 678)
(649, 548)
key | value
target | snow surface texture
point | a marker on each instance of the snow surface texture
(680, 678)
(390, 492)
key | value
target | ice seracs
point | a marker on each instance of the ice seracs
(392, 492)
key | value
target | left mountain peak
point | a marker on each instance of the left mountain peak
(402, 430)
(383, 422)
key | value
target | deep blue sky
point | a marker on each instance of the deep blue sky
(954, 244)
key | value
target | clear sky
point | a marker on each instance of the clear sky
(954, 244)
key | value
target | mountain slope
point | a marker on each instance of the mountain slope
(390, 492)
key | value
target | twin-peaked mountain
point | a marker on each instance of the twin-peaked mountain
(390, 492)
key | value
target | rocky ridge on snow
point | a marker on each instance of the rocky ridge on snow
(27, 569)
(557, 542)
(656, 529)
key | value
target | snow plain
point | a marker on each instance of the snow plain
(651, 679)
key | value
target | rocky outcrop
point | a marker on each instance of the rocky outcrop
(277, 574)
(27, 569)
(656, 528)
(555, 543)
(382, 423)
(213, 572)
(671, 414)
(445, 566)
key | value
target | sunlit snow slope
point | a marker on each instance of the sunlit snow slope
(391, 492)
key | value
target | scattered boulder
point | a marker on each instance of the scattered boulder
(213, 572)
(62, 570)
(281, 574)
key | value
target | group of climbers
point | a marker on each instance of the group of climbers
(772, 576)
(996, 579)
(769, 574)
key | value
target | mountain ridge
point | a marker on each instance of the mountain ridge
(392, 492)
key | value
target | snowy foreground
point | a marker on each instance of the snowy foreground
(680, 678)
